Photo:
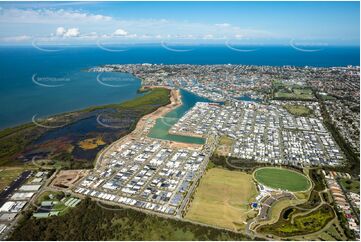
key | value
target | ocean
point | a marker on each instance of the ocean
(41, 83)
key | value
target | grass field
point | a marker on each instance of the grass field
(294, 95)
(279, 178)
(223, 198)
(286, 91)
(225, 145)
(298, 110)
(7, 175)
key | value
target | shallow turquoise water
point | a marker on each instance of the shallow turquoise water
(161, 129)
(162, 126)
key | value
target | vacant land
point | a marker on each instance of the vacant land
(298, 110)
(299, 95)
(7, 175)
(225, 145)
(67, 178)
(223, 199)
(284, 179)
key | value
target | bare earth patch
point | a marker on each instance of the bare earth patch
(67, 178)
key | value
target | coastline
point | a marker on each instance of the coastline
(144, 123)
(17, 142)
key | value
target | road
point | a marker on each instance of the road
(209, 148)
(350, 203)
(13, 186)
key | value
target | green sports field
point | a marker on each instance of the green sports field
(284, 179)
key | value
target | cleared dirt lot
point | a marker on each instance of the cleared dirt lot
(67, 178)
(223, 199)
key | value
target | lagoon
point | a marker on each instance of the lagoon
(161, 129)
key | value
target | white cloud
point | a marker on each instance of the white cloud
(49, 16)
(223, 25)
(72, 32)
(40, 22)
(60, 31)
(208, 36)
(120, 32)
(19, 38)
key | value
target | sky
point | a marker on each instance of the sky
(248, 23)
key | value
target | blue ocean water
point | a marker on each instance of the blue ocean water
(35, 82)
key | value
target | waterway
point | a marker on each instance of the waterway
(161, 129)
(247, 98)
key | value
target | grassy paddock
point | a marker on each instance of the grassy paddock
(280, 178)
(298, 110)
(9, 174)
(223, 198)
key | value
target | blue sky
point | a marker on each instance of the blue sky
(322, 23)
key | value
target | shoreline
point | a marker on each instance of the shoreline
(144, 125)
(22, 125)
(30, 131)
(140, 128)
